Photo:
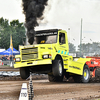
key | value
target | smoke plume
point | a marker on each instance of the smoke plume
(33, 10)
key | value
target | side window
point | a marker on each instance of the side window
(62, 38)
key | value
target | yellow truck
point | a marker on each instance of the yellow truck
(49, 54)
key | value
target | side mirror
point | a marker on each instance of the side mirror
(60, 43)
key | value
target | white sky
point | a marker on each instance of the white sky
(63, 14)
(11, 9)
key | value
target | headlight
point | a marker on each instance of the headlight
(17, 60)
(46, 56)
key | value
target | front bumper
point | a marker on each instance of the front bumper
(33, 63)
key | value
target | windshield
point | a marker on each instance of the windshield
(45, 39)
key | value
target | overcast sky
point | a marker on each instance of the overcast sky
(63, 14)
(11, 9)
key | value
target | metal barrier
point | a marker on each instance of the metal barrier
(7, 62)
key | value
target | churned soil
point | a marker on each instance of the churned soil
(44, 90)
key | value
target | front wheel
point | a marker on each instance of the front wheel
(57, 68)
(83, 78)
(57, 72)
(24, 72)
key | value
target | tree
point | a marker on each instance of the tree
(72, 48)
(4, 33)
(18, 33)
(14, 28)
(90, 48)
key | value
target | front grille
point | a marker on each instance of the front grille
(30, 50)
(30, 54)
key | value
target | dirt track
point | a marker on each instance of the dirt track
(45, 90)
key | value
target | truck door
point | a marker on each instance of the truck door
(62, 49)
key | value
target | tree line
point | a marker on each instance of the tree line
(14, 28)
(93, 47)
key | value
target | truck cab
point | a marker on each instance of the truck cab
(49, 54)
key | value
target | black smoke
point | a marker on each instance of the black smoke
(33, 10)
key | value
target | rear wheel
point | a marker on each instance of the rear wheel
(24, 72)
(83, 78)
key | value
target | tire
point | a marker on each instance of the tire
(57, 68)
(54, 79)
(24, 72)
(97, 72)
(83, 78)
(57, 72)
